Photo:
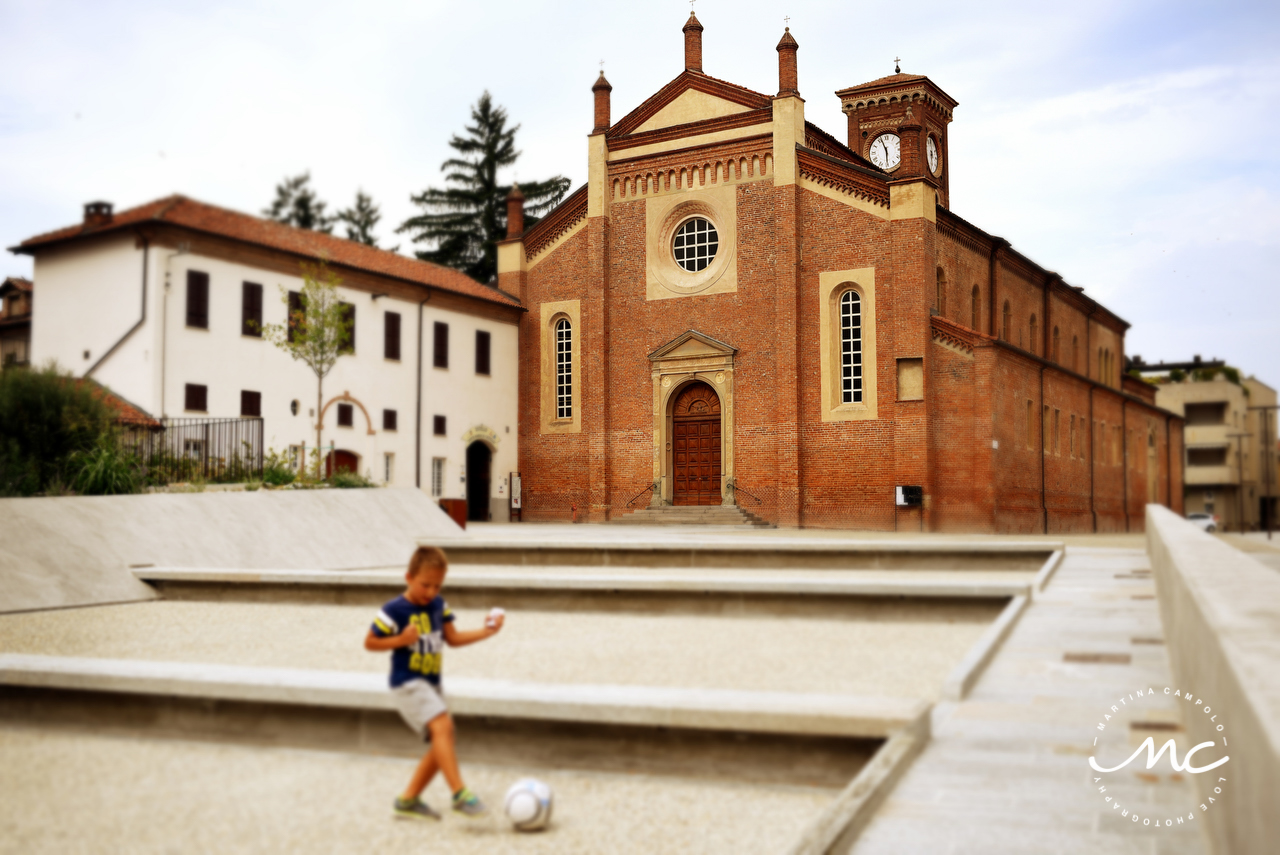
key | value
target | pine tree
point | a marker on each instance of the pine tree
(360, 220)
(463, 223)
(296, 204)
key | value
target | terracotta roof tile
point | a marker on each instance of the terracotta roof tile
(199, 216)
(18, 283)
(892, 78)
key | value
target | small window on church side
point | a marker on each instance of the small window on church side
(850, 348)
(695, 244)
(975, 310)
(564, 369)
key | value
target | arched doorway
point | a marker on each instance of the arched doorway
(340, 461)
(479, 460)
(696, 446)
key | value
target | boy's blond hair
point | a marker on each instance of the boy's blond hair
(427, 558)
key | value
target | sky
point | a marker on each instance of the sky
(1131, 147)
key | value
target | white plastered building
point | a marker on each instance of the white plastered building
(153, 302)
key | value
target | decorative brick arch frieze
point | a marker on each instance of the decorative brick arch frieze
(346, 396)
(689, 357)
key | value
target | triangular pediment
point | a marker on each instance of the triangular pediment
(691, 106)
(691, 345)
(691, 97)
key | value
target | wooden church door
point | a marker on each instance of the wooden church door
(696, 447)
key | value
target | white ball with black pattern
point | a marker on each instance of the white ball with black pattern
(528, 804)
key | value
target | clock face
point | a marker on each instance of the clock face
(886, 151)
(931, 151)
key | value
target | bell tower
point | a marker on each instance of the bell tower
(900, 124)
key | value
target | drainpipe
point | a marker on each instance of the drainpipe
(164, 324)
(417, 430)
(1044, 449)
(1124, 445)
(146, 252)
(1093, 511)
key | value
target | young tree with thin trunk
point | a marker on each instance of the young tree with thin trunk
(463, 223)
(316, 332)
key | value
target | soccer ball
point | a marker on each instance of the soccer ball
(528, 804)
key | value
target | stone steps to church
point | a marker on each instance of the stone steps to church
(717, 515)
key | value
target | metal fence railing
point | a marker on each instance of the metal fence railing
(219, 451)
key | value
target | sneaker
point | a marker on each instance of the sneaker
(468, 803)
(414, 809)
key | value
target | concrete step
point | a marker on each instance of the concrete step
(644, 706)
(692, 515)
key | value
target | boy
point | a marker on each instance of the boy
(415, 627)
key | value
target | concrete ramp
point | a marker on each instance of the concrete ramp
(77, 551)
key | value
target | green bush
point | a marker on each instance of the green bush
(277, 469)
(105, 470)
(46, 417)
(345, 480)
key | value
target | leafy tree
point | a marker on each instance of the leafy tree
(296, 204)
(360, 220)
(317, 333)
(46, 418)
(463, 222)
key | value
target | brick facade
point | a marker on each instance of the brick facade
(981, 439)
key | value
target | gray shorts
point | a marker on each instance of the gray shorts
(418, 702)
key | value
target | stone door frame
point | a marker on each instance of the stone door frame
(690, 356)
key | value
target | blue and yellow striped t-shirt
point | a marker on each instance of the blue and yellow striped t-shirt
(420, 660)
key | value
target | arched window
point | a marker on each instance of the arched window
(975, 309)
(1031, 346)
(1075, 353)
(1056, 358)
(1101, 375)
(850, 348)
(942, 293)
(1008, 323)
(564, 369)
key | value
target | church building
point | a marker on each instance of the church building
(740, 309)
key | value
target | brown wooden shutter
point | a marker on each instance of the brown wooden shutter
(482, 352)
(296, 317)
(391, 335)
(196, 398)
(251, 309)
(388, 419)
(349, 318)
(197, 299)
(250, 403)
(441, 354)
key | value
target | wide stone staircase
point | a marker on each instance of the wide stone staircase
(717, 515)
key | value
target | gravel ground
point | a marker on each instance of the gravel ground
(889, 650)
(68, 793)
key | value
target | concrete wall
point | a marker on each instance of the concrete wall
(1221, 615)
(76, 551)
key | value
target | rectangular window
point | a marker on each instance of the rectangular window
(388, 467)
(349, 322)
(1045, 440)
(482, 352)
(196, 398)
(564, 369)
(440, 345)
(251, 404)
(437, 425)
(297, 315)
(346, 415)
(1057, 434)
(197, 299)
(437, 476)
(296, 456)
(851, 348)
(251, 309)
(388, 419)
(1031, 418)
(1073, 437)
(391, 335)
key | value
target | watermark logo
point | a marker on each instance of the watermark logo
(1110, 783)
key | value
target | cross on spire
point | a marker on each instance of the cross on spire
(896, 68)
(691, 2)
(602, 66)
(786, 19)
